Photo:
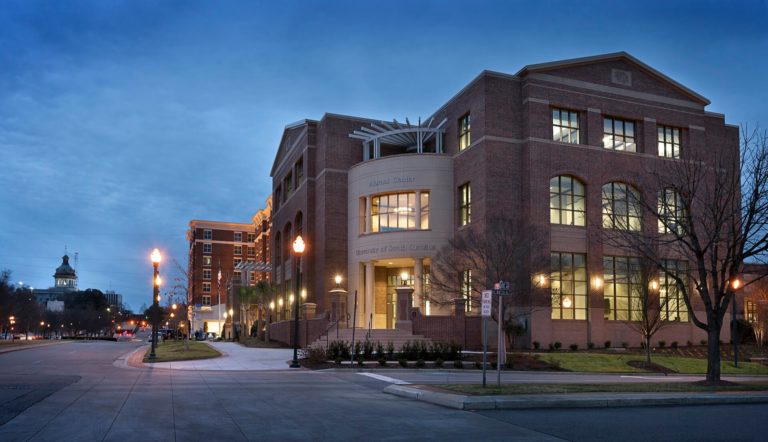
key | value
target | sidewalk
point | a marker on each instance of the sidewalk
(573, 400)
(234, 357)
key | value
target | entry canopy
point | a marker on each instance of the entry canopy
(384, 138)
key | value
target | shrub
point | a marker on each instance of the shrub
(379, 350)
(367, 349)
(360, 361)
(454, 351)
(558, 345)
(673, 344)
(403, 362)
(316, 355)
(689, 344)
(458, 364)
(338, 349)
(410, 350)
(551, 346)
(574, 347)
(607, 344)
(338, 360)
(703, 342)
(624, 345)
(478, 365)
(590, 345)
(420, 363)
(390, 350)
(382, 361)
(662, 344)
(439, 362)
(358, 349)
(536, 345)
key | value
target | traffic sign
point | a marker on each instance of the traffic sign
(486, 303)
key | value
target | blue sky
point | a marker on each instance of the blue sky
(120, 121)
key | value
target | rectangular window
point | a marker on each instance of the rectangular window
(565, 126)
(569, 285)
(207, 274)
(288, 185)
(465, 132)
(207, 234)
(206, 287)
(251, 252)
(238, 261)
(669, 142)
(207, 260)
(622, 293)
(238, 250)
(252, 277)
(238, 236)
(619, 135)
(299, 171)
(207, 248)
(465, 205)
(673, 306)
(424, 210)
(750, 311)
(251, 237)
(567, 201)
(207, 299)
(237, 277)
(394, 212)
(465, 286)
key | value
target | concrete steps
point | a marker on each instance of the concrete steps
(397, 337)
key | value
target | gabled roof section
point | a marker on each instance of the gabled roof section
(283, 147)
(544, 67)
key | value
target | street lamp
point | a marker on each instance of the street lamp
(735, 284)
(156, 258)
(298, 249)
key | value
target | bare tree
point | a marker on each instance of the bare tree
(712, 212)
(501, 251)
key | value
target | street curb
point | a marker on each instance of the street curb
(30, 347)
(608, 400)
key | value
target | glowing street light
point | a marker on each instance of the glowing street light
(155, 257)
(298, 249)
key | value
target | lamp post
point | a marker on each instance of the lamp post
(218, 294)
(735, 284)
(231, 323)
(298, 249)
(156, 258)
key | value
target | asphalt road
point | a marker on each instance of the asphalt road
(81, 391)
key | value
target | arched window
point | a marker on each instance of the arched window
(278, 249)
(287, 240)
(621, 207)
(671, 212)
(298, 223)
(567, 202)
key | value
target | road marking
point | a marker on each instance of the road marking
(666, 378)
(385, 378)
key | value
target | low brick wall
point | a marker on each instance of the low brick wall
(465, 330)
(309, 331)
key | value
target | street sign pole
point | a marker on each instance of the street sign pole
(501, 355)
(485, 312)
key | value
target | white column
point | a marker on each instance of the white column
(369, 293)
(368, 220)
(418, 286)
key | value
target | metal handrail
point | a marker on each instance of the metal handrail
(328, 329)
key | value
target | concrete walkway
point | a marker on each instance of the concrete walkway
(234, 357)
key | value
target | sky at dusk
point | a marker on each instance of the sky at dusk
(121, 121)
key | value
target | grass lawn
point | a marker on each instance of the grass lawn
(617, 363)
(169, 351)
(598, 388)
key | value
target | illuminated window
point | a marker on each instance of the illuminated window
(251, 237)
(207, 260)
(207, 274)
(465, 132)
(619, 135)
(207, 234)
(623, 289)
(465, 286)
(206, 287)
(568, 282)
(238, 236)
(669, 142)
(251, 252)
(673, 306)
(238, 250)
(565, 126)
(671, 211)
(207, 248)
(621, 207)
(750, 311)
(397, 211)
(465, 205)
(567, 201)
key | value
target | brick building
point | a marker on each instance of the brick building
(223, 257)
(555, 148)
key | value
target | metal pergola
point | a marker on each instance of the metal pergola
(395, 133)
